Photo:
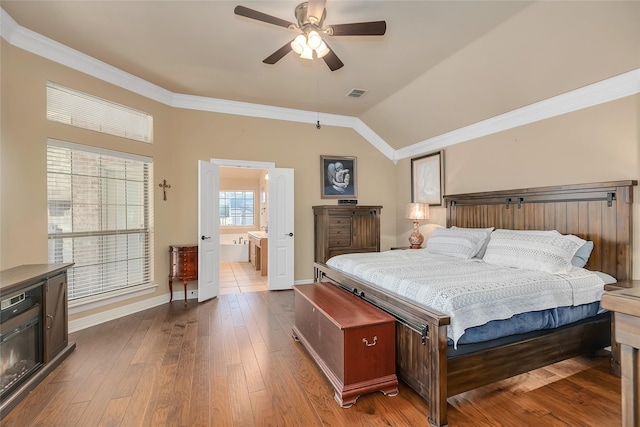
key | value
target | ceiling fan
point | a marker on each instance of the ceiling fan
(310, 16)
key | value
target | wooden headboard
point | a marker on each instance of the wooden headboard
(600, 212)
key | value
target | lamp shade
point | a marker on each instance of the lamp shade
(298, 44)
(416, 211)
(314, 40)
(307, 53)
(322, 50)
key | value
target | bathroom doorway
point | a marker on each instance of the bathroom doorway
(243, 209)
(278, 204)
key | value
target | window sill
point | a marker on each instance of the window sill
(89, 303)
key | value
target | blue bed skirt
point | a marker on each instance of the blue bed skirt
(522, 324)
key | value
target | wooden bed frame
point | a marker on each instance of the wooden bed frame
(600, 212)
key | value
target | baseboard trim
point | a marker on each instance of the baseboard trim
(116, 313)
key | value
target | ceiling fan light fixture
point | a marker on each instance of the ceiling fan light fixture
(310, 16)
(298, 44)
(314, 40)
(307, 53)
(322, 50)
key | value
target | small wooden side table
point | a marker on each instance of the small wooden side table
(183, 260)
(625, 305)
(615, 346)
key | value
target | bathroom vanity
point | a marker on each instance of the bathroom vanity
(258, 251)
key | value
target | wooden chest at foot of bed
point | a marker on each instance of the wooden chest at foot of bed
(351, 341)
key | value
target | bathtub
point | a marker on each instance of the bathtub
(233, 251)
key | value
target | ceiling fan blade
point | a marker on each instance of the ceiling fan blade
(332, 60)
(278, 54)
(315, 8)
(374, 28)
(259, 16)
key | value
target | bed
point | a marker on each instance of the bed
(599, 212)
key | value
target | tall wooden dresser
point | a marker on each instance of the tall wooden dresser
(345, 229)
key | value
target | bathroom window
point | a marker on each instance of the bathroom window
(236, 208)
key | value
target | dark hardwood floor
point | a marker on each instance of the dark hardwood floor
(231, 361)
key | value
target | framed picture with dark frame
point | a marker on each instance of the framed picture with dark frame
(338, 177)
(427, 179)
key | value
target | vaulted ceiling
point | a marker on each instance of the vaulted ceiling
(441, 66)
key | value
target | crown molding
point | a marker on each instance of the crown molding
(604, 91)
(224, 106)
(617, 87)
(374, 139)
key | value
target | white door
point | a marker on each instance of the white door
(208, 230)
(280, 206)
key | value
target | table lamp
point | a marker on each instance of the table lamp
(416, 212)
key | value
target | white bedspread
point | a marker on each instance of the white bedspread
(471, 292)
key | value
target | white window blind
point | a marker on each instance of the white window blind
(79, 109)
(100, 217)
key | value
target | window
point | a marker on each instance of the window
(100, 217)
(236, 207)
(79, 109)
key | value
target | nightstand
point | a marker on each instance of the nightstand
(625, 307)
(623, 284)
(615, 345)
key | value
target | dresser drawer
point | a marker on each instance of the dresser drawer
(339, 236)
(339, 221)
(340, 242)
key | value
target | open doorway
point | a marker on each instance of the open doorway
(243, 214)
(278, 232)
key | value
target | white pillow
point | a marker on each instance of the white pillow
(480, 252)
(457, 242)
(547, 251)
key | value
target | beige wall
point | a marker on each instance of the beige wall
(600, 143)
(181, 138)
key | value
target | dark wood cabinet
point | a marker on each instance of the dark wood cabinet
(56, 325)
(345, 229)
(183, 260)
(34, 324)
(351, 341)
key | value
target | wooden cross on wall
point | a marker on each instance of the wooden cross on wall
(164, 186)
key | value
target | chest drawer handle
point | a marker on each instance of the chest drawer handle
(375, 341)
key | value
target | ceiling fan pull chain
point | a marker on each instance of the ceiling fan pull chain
(318, 105)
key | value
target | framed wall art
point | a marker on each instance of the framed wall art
(427, 179)
(338, 177)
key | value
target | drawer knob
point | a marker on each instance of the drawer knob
(375, 341)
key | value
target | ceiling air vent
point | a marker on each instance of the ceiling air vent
(356, 93)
